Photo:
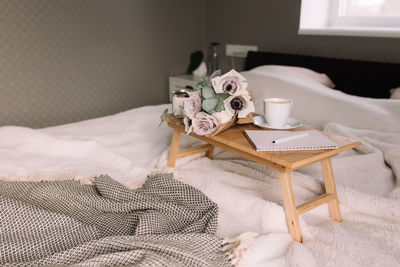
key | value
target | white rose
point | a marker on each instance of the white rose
(224, 116)
(242, 103)
(231, 82)
(188, 125)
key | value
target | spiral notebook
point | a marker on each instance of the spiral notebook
(264, 140)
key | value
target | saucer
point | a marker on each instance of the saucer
(291, 123)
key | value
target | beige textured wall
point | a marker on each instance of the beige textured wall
(273, 25)
(68, 60)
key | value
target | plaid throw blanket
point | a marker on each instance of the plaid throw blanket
(163, 223)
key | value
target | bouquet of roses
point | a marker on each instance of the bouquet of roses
(217, 103)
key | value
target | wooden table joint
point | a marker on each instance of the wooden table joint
(194, 150)
(313, 203)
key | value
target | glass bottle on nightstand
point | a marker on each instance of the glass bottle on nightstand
(213, 58)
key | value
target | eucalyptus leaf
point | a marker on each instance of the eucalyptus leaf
(222, 96)
(165, 112)
(163, 116)
(199, 85)
(208, 105)
(205, 82)
(207, 92)
(220, 106)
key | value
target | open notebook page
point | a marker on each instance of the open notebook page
(263, 140)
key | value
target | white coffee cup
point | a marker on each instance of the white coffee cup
(276, 111)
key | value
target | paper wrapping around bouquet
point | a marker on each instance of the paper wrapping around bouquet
(224, 126)
(233, 121)
(177, 121)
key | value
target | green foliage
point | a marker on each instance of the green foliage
(209, 105)
(205, 82)
(220, 106)
(212, 102)
(207, 92)
(223, 96)
(163, 116)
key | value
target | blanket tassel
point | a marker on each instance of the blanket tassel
(237, 246)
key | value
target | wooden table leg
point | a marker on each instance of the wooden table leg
(330, 187)
(173, 151)
(209, 153)
(290, 206)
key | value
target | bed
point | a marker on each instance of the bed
(354, 77)
(248, 218)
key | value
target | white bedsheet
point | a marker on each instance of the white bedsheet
(126, 146)
(129, 145)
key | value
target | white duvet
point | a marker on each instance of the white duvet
(316, 104)
(130, 145)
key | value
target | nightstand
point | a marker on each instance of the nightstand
(186, 81)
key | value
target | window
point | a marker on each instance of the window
(365, 13)
(378, 18)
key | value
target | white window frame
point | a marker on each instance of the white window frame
(338, 20)
(321, 17)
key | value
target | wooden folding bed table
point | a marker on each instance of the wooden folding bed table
(234, 140)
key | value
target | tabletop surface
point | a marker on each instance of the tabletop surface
(235, 139)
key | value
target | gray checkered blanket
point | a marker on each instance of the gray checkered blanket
(163, 223)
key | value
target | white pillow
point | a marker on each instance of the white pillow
(395, 93)
(321, 78)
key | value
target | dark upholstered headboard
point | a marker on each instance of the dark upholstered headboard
(361, 78)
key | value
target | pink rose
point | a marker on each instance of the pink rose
(204, 123)
(192, 104)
